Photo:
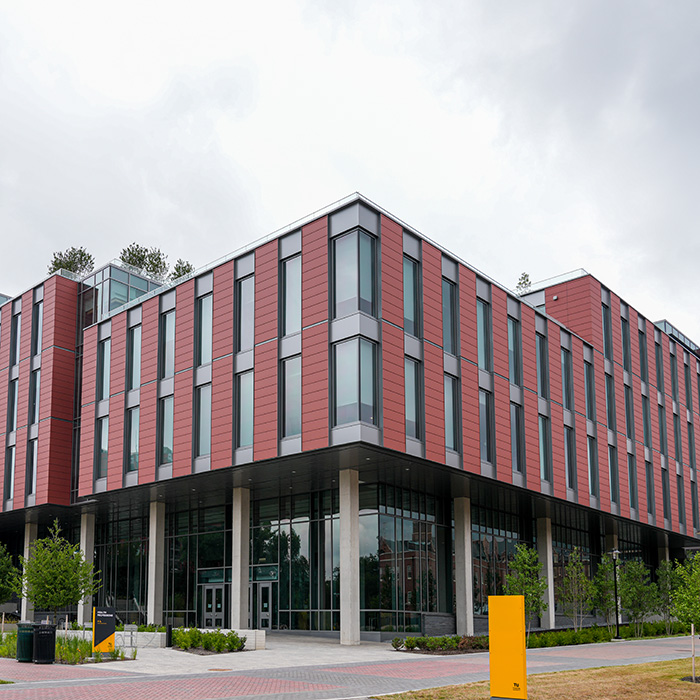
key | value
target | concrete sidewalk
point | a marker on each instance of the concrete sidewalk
(295, 667)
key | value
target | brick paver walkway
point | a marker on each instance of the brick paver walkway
(308, 682)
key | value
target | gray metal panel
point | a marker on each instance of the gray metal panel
(355, 215)
(33, 431)
(452, 458)
(519, 479)
(514, 308)
(164, 471)
(134, 317)
(243, 361)
(290, 245)
(14, 371)
(245, 266)
(590, 428)
(568, 418)
(243, 455)
(100, 485)
(588, 353)
(624, 310)
(449, 269)
(516, 394)
(483, 289)
(565, 339)
(133, 398)
(542, 406)
(290, 345)
(353, 325)
(39, 293)
(605, 296)
(540, 324)
(204, 284)
(131, 479)
(166, 387)
(485, 380)
(12, 439)
(411, 246)
(290, 446)
(413, 347)
(355, 432)
(36, 362)
(167, 300)
(104, 330)
(546, 488)
(202, 464)
(414, 447)
(102, 408)
(450, 364)
(488, 470)
(641, 323)
(30, 500)
(17, 306)
(202, 375)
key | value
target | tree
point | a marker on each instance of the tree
(151, 260)
(604, 591)
(524, 579)
(576, 591)
(686, 596)
(9, 581)
(524, 284)
(638, 595)
(76, 260)
(666, 584)
(181, 268)
(56, 575)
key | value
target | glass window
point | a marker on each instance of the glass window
(626, 358)
(688, 388)
(291, 295)
(10, 473)
(202, 436)
(650, 487)
(646, 420)
(34, 393)
(610, 401)
(245, 313)
(659, 367)
(592, 467)
(589, 377)
(167, 344)
(165, 432)
(545, 449)
(678, 440)
(32, 454)
(101, 447)
(542, 366)
(133, 358)
(449, 317)
(570, 457)
(483, 330)
(694, 500)
(517, 438)
(663, 444)
(355, 394)
(353, 274)
(607, 333)
(244, 409)
(515, 371)
(204, 330)
(15, 334)
(132, 440)
(674, 377)
(629, 412)
(632, 472)
(118, 294)
(567, 377)
(666, 493)
(291, 408)
(412, 398)
(691, 445)
(451, 413)
(681, 499)
(410, 296)
(643, 363)
(12, 406)
(37, 327)
(614, 477)
(104, 348)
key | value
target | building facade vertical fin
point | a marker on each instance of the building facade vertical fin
(156, 562)
(240, 558)
(545, 554)
(464, 587)
(30, 533)
(87, 546)
(349, 556)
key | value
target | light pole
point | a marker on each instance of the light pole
(615, 554)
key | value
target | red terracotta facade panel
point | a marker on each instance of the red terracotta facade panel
(314, 273)
(314, 387)
(434, 379)
(265, 421)
(222, 413)
(266, 274)
(393, 388)
(184, 327)
(222, 310)
(392, 271)
(432, 294)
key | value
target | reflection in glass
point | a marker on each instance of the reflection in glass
(291, 281)
(165, 451)
(412, 398)
(204, 330)
(245, 311)
(244, 409)
(167, 344)
(132, 440)
(203, 421)
(291, 378)
(410, 296)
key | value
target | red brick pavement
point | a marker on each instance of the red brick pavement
(416, 670)
(11, 670)
(180, 689)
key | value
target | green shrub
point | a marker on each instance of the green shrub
(207, 641)
(410, 643)
(73, 650)
(234, 642)
(397, 643)
(8, 645)
(194, 637)
(422, 643)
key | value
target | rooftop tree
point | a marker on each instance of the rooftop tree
(76, 260)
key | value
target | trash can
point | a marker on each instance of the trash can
(44, 643)
(25, 641)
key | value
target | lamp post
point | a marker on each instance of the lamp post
(615, 554)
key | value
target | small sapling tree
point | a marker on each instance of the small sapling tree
(604, 591)
(523, 578)
(576, 591)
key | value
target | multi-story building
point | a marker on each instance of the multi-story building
(342, 427)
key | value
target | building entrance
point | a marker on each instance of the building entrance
(213, 608)
(260, 605)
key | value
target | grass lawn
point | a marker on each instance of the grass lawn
(655, 681)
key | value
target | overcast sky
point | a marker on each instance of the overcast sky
(523, 135)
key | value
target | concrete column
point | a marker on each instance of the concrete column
(663, 549)
(546, 557)
(464, 587)
(240, 559)
(349, 482)
(87, 546)
(30, 533)
(156, 562)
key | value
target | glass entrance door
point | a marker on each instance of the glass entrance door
(264, 605)
(213, 606)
